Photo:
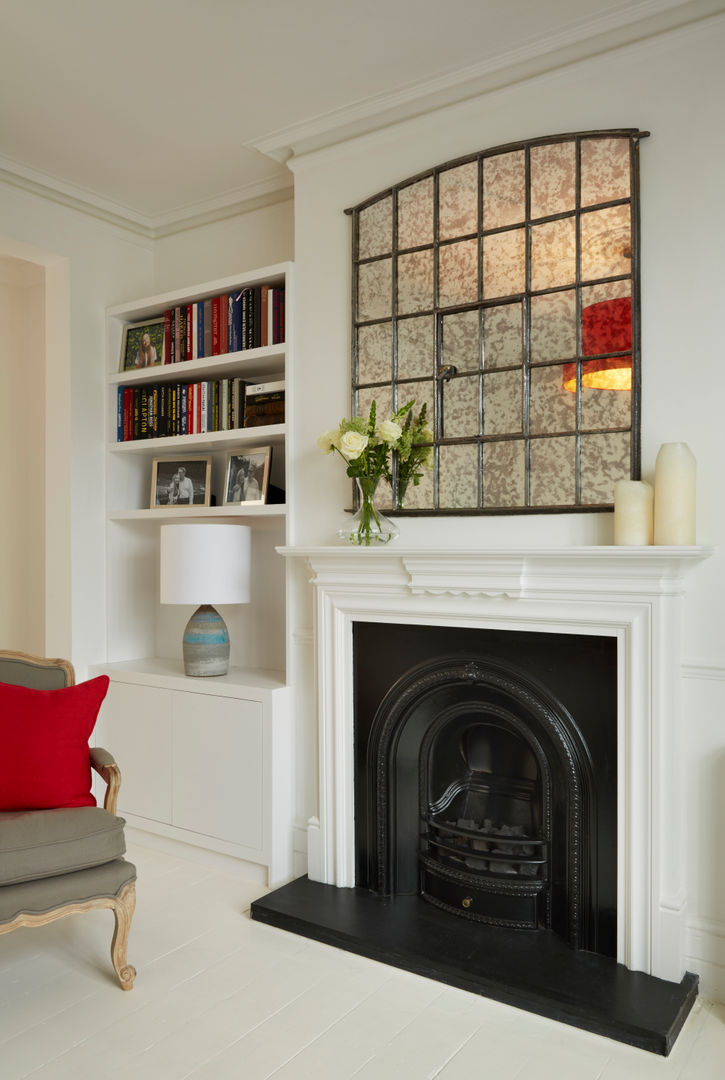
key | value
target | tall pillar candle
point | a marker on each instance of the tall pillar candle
(675, 508)
(633, 513)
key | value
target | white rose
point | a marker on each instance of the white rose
(328, 441)
(352, 444)
(389, 432)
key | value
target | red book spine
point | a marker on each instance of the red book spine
(197, 400)
(215, 326)
(127, 414)
(177, 335)
(167, 337)
(189, 332)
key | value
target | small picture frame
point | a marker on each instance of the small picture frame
(247, 477)
(180, 482)
(143, 345)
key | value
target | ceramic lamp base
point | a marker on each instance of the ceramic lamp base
(206, 643)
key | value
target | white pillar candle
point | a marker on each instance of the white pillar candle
(675, 515)
(633, 517)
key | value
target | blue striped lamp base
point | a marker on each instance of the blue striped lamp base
(206, 643)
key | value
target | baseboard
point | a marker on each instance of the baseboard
(225, 864)
(706, 956)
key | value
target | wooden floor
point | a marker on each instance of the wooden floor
(219, 996)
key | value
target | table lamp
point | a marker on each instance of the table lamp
(205, 564)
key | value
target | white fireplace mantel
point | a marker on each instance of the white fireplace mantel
(632, 594)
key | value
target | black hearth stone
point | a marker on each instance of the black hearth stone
(532, 970)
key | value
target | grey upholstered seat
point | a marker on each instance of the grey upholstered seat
(59, 862)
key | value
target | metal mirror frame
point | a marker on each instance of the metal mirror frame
(393, 389)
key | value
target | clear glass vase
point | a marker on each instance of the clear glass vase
(368, 525)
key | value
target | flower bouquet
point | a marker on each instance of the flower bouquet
(366, 447)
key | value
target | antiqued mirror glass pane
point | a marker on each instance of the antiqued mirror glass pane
(458, 273)
(422, 393)
(606, 239)
(384, 495)
(605, 174)
(553, 326)
(502, 402)
(504, 263)
(504, 474)
(383, 398)
(415, 282)
(375, 353)
(504, 189)
(460, 407)
(553, 179)
(502, 336)
(376, 229)
(552, 408)
(458, 477)
(374, 290)
(415, 214)
(553, 254)
(606, 408)
(460, 340)
(458, 201)
(553, 471)
(416, 347)
(605, 459)
(422, 496)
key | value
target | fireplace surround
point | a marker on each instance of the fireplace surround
(629, 597)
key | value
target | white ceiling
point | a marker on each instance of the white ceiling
(157, 110)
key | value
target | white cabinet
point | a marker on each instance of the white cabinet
(204, 761)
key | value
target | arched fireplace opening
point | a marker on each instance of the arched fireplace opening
(477, 786)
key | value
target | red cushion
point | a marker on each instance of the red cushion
(44, 735)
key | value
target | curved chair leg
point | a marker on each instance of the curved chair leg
(123, 908)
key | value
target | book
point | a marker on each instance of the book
(207, 328)
(200, 331)
(215, 326)
(235, 322)
(119, 413)
(194, 331)
(177, 334)
(189, 354)
(223, 324)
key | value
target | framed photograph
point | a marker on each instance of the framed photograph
(247, 477)
(181, 481)
(143, 345)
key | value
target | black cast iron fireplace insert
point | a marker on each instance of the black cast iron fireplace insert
(476, 786)
(486, 827)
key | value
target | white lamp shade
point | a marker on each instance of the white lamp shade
(205, 564)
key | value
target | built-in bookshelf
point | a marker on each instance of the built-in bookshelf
(143, 652)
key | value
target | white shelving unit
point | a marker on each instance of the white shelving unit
(206, 761)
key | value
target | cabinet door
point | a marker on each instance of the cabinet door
(218, 768)
(135, 725)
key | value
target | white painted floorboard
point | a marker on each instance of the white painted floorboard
(218, 996)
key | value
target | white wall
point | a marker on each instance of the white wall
(88, 265)
(674, 87)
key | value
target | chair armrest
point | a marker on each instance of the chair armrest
(107, 768)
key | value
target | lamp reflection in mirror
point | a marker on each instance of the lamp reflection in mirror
(606, 328)
(205, 564)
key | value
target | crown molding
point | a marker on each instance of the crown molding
(586, 39)
(252, 196)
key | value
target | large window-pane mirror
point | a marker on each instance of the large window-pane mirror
(502, 290)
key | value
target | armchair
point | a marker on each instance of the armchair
(66, 861)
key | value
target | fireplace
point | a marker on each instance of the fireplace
(485, 775)
(499, 796)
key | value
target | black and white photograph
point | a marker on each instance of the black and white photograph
(181, 482)
(143, 345)
(247, 477)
